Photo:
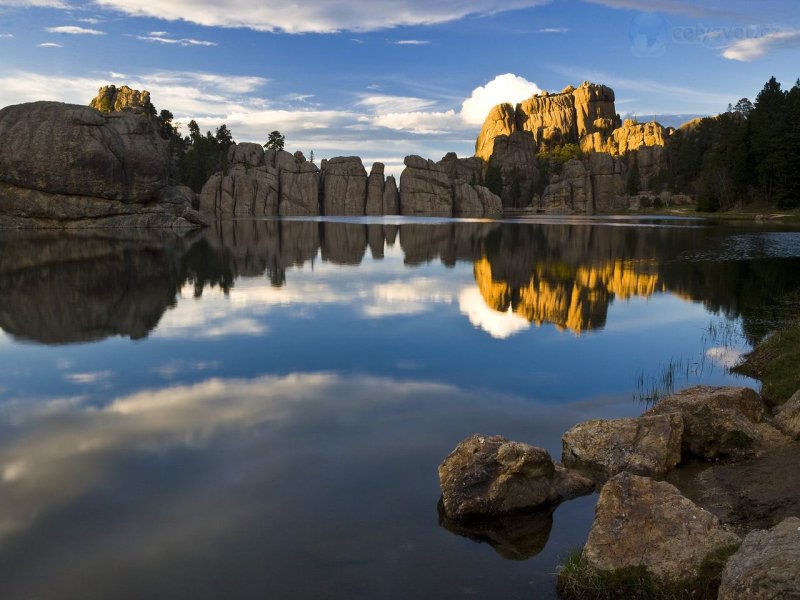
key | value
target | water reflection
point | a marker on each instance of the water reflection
(519, 536)
(61, 288)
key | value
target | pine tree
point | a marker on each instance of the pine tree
(275, 141)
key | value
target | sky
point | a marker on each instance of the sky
(387, 78)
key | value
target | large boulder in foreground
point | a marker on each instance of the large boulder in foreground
(767, 565)
(489, 476)
(721, 422)
(640, 522)
(65, 165)
(645, 445)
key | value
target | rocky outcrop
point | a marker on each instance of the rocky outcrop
(501, 120)
(65, 165)
(491, 476)
(344, 184)
(249, 188)
(425, 188)
(640, 522)
(475, 201)
(630, 137)
(766, 566)
(299, 185)
(111, 99)
(391, 197)
(514, 158)
(721, 422)
(644, 445)
(376, 186)
(787, 417)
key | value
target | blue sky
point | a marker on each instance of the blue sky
(390, 77)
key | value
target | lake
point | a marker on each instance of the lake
(259, 409)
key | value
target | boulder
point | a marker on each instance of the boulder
(647, 523)
(720, 422)
(645, 445)
(462, 170)
(64, 165)
(344, 186)
(475, 201)
(491, 476)
(391, 197)
(569, 192)
(492, 203)
(787, 417)
(425, 189)
(767, 565)
(375, 190)
(515, 157)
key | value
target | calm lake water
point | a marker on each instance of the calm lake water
(259, 410)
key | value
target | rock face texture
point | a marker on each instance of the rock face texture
(645, 446)
(721, 422)
(425, 188)
(344, 182)
(641, 522)
(261, 183)
(767, 565)
(111, 99)
(376, 186)
(787, 417)
(518, 141)
(65, 165)
(250, 187)
(489, 476)
(391, 197)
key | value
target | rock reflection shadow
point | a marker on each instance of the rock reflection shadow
(518, 536)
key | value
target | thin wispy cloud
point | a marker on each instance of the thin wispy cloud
(695, 9)
(412, 42)
(6, 36)
(755, 48)
(74, 30)
(161, 39)
(49, 45)
(554, 30)
(316, 16)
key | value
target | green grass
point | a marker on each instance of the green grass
(776, 363)
(579, 580)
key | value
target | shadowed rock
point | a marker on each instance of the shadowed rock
(766, 566)
(490, 476)
(645, 446)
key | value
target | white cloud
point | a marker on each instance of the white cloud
(693, 9)
(49, 45)
(88, 378)
(161, 39)
(753, 48)
(503, 88)
(382, 104)
(6, 36)
(499, 325)
(554, 30)
(412, 42)
(317, 16)
(420, 122)
(74, 30)
(407, 297)
(727, 357)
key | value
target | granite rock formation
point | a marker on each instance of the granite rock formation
(65, 165)
(344, 186)
(766, 566)
(644, 445)
(111, 99)
(490, 476)
(642, 522)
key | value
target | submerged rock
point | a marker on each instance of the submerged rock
(645, 445)
(491, 476)
(640, 522)
(767, 565)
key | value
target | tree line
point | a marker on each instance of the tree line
(750, 153)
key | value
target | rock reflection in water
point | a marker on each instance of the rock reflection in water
(65, 287)
(62, 288)
(518, 536)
